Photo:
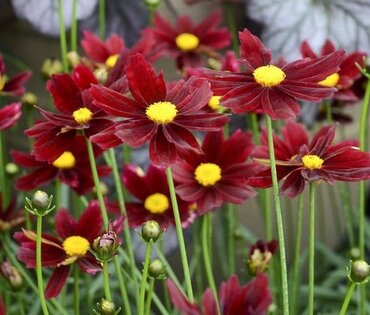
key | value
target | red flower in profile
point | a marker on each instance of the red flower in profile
(13, 86)
(9, 115)
(272, 87)
(260, 255)
(153, 201)
(299, 160)
(252, 299)
(72, 167)
(219, 175)
(74, 238)
(187, 42)
(157, 114)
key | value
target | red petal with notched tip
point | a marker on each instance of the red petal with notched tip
(56, 282)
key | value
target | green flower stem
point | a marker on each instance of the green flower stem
(107, 293)
(74, 27)
(76, 290)
(97, 184)
(62, 36)
(232, 26)
(180, 235)
(148, 301)
(311, 251)
(344, 193)
(40, 281)
(145, 276)
(206, 226)
(279, 220)
(328, 111)
(20, 303)
(230, 208)
(297, 254)
(2, 173)
(347, 299)
(126, 303)
(102, 19)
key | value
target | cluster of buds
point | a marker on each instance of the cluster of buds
(11, 275)
(260, 255)
(105, 246)
(40, 205)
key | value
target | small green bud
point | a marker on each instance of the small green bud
(157, 269)
(106, 308)
(29, 99)
(11, 168)
(40, 204)
(152, 4)
(50, 67)
(359, 271)
(105, 246)
(73, 58)
(151, 230)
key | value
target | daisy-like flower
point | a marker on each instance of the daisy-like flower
(13, 86)
(348, 74)
(153, 197)
(157, 114)
(219, 175)
(254, 298)
(72, 167)
(260, 255)
(72, 244)
(272, 87)
(9, 115)
(299, 160)
(187, 42)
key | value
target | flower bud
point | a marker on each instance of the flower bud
(11, 168)
(40, 203)
(260, 255)
(152, 4)
(29, 99)
(105, 246)
(11, 275)
(359, 271)
(157, 269)
(50, 67)
(107, 308)
(73, 58)
(151, 230)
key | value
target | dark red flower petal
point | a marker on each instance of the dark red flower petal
(90, 223)
(9, 115)
(56, 282)
(180, 301)
(89, 264)
(65, 224)
(161, 151)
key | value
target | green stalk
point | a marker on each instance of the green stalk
(102, 19)
(230, 237)
(76, 291)
(107, 293)
(232, 26)
(40, 281)
(347, 299)
(3, 185)
(145, 276)
(148, 301)
(20, 303)
(74, 27)
(62, 36)
(311, 253)
(126, 303)
(279, 220)
(347, 213)
(328, 112)
(180, 234)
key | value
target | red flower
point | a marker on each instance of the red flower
(72, 245)
(2, 306)
(272, 87)
(72, 167)
(260, 254)
(252, 299)
(220, 174)
(153, 197)
(344, 79)
(186, 42)
(13, 86)
(300, 160)
(160, 115)
(9, 115)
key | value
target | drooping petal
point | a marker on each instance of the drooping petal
(56, 282)
(180, 301)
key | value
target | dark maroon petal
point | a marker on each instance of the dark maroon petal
(293, 184)
(294, 136)
(14, 86)
(161, 152)
(115, 44)
(349, 69)
(9, 115)
(25, 159)
(56, 281)
(235, 194)
(191, 192)
(94, 47)
(202, 121)
(306, 51)
(90, 223)
(236, 148)
(134, 182)
(322, 140)
(180, 301)
(210, 201)
(212, 144)
(181, 137)
(209, 303)
(83, 77)
(65, 225)
(136, 132)
(257, 296)
(182, 172)
(218, 39)
(278, 105)
(89, 264)
(39, 177)
(209, 23)
(106, 139)
(327, 48)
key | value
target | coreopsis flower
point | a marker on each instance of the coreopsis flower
(152, 197)
(156, 114)
(186, 41)
(9, 115)
(72, 244)
(272, 87)
(299, 160)
(12, 86)
(72, 168)
(10, 217)
(260, 255)
(254, 298)
(219, 175)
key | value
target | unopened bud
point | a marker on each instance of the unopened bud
(151, 231)
(40, 203)
(157, 269)
(73, 58)
(50, 67)
(11, 168)
(107, 308)
(105, 246)
(359, 271)
(29, 99)
(11, 275)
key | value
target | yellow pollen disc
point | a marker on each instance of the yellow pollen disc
(187, 41)
(76, 246)
(207, 174)
(82, 115)
(65, 161)
(269, 75)
(161, 112)
(214, 103)
(2, 81)
(111, 60)
(331, 81)
(312, 162)
(156, 203)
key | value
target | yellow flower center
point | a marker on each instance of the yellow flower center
(312, 162)
(76, 246)
(82, 115)
(331, 81)
(65, 161)
(2, 81)
(161, 112)
(207, 174)
(111, 61)
(156, 203)
(214, 103)
(187, 41)
(269, 75)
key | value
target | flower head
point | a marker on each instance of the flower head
(260, 255)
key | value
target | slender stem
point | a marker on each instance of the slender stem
(232, 26)
(3, 185)
(107, 293)
(62, 36)
(74, 26)
(76, 293)
(311, 253)
(206, 225)
(40, 281)
(279, 220)
(145, 276)
(97, 183)
(347, 213)
(230, 237)
(20, 303)
(148, 301)
(102, 19)
(180, 234)
(328, 112)
(347, 299)
(126, 302)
